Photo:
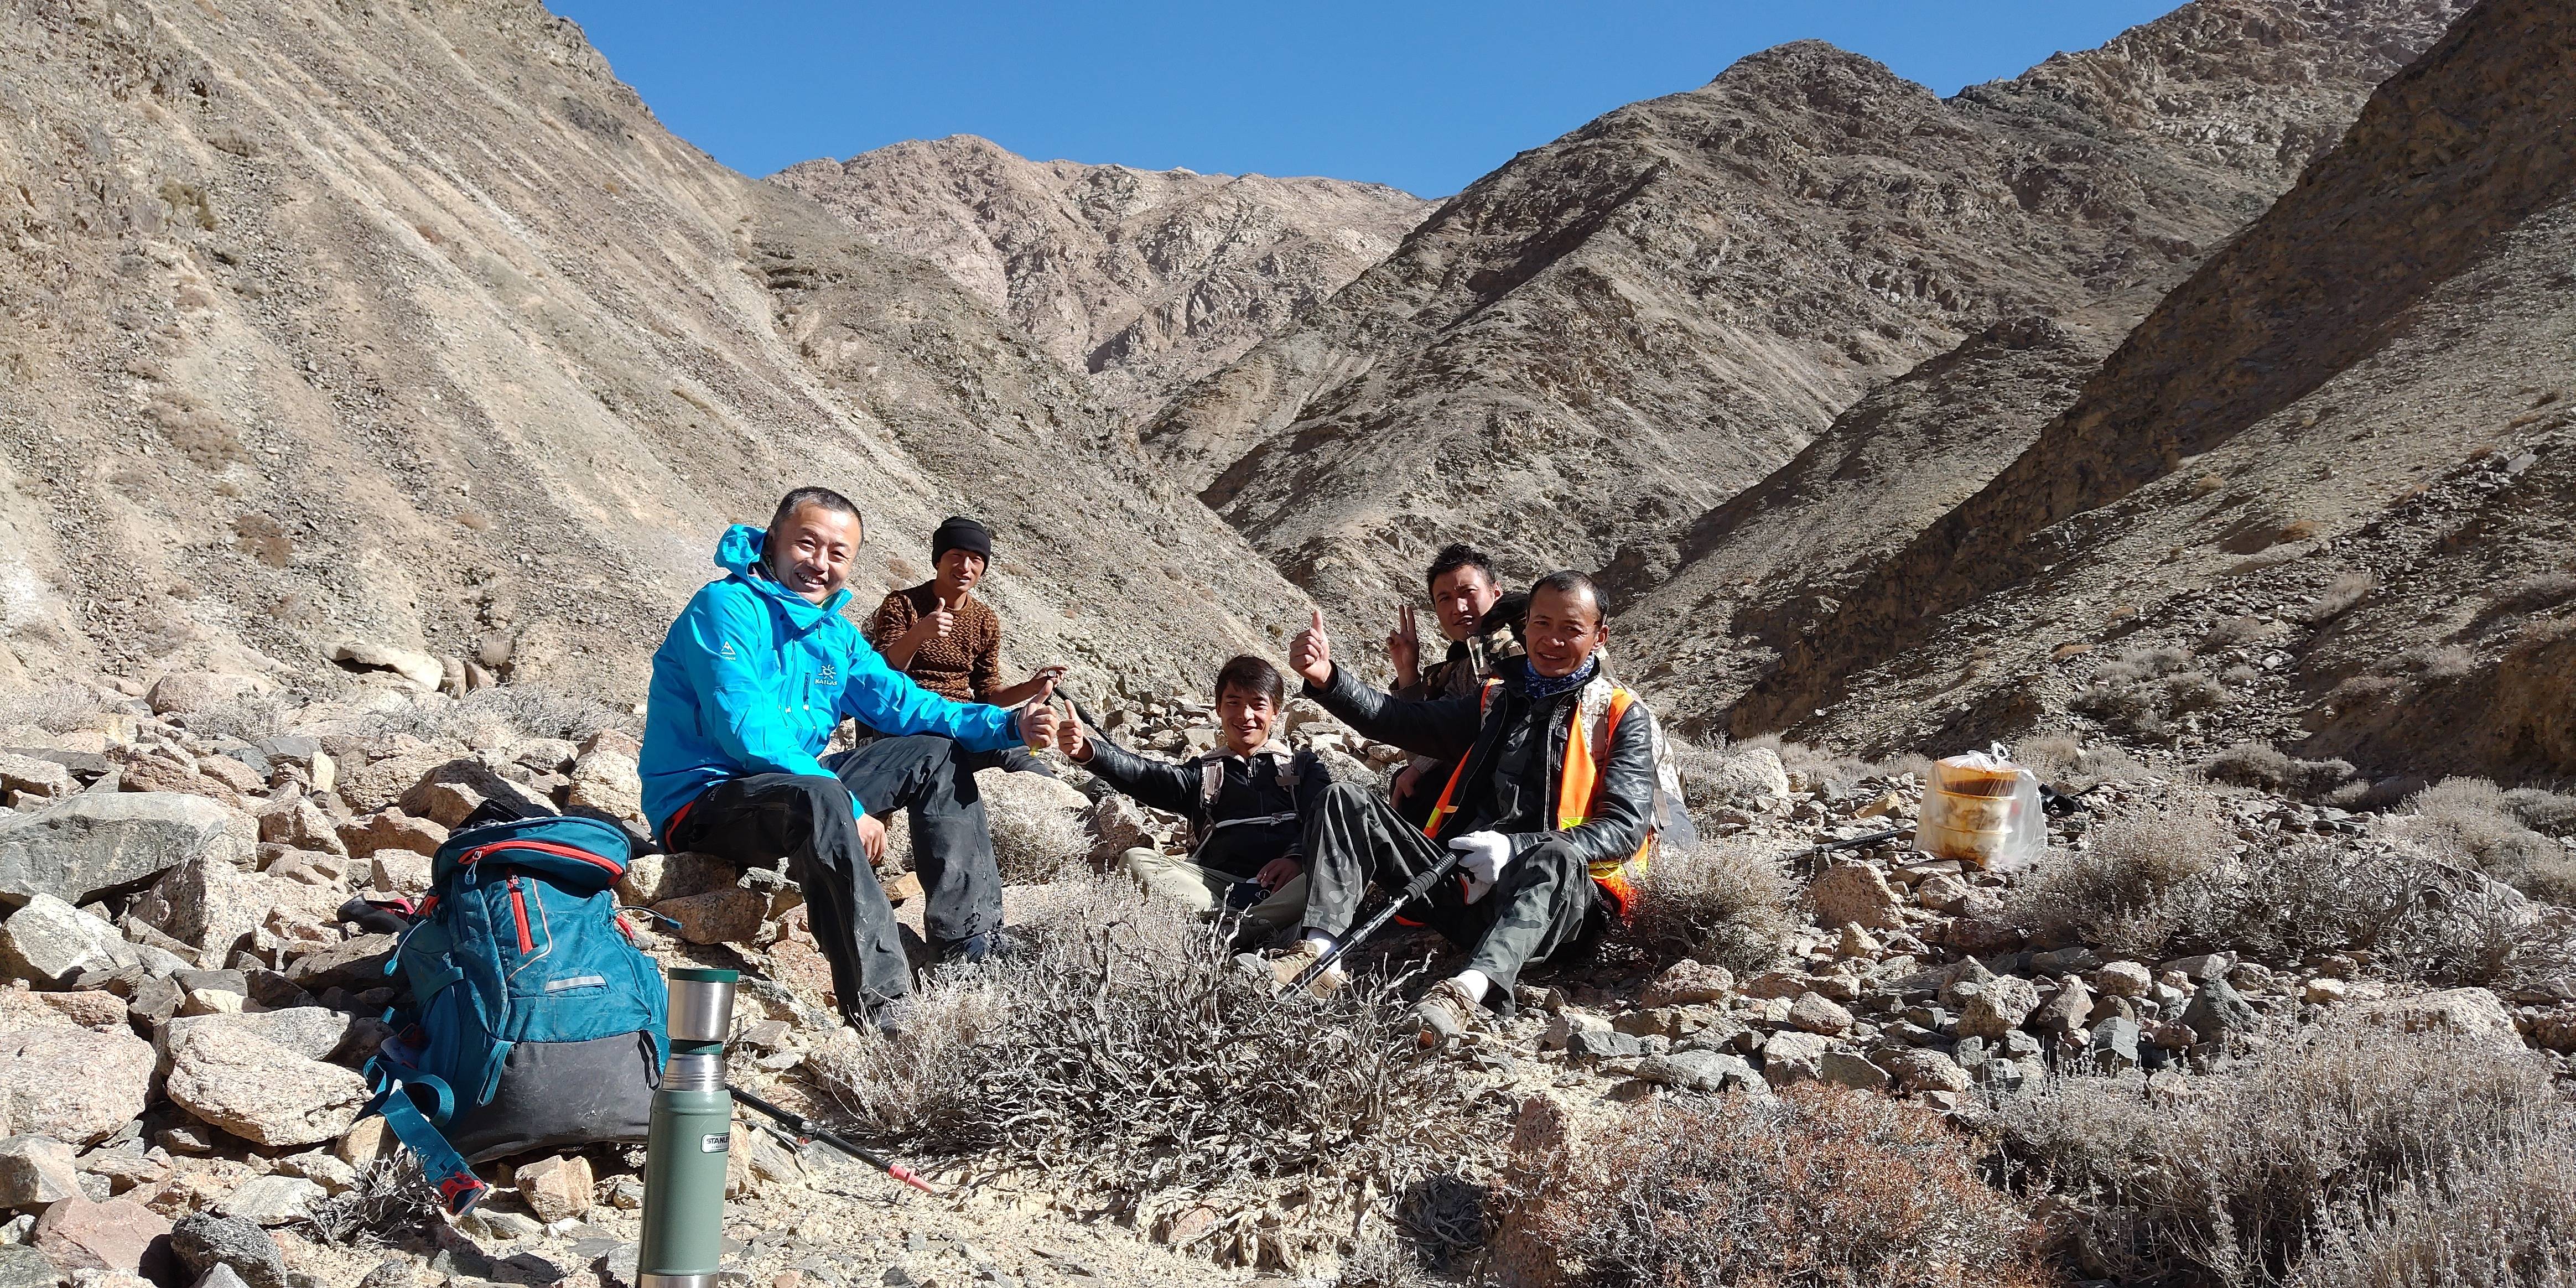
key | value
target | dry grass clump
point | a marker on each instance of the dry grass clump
(2498, 1220)
(2260, 764)
(1725, 904)
(59, 708)
(2142, 691)
(2068, 765)
(2483, 824)
(2233, 1182)
(2126, 891)
(2538, 591)
(245, 719)
(1823, 1186)
(2338, 598)
(388, 1199)
(1035, 839)
(1127, 1059)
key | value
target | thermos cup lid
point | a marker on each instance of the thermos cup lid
(705, 975)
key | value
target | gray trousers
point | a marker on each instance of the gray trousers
(757, 819)
(1544, 904)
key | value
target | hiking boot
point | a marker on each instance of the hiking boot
(892, 1020)
(997, 945)
(1446, 1013)
(1286, 967)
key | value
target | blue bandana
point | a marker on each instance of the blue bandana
(1539, 686)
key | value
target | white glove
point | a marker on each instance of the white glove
(1483, 856)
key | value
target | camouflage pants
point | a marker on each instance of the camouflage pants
(1543, 906)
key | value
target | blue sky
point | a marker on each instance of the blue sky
(1423, 96)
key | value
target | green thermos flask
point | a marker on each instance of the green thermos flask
(685, 1147)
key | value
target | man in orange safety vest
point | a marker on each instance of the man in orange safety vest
(1554, 803)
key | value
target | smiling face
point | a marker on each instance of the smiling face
(959, 570)
(811, 552)
(1245, 717)
(1460, 596)
(1564, 629)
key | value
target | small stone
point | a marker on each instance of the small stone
(1999, 1007)
(1601, 1045)
(2123, 979)
(2324, 991)
(392, 1272)
(1857, 942)
(1687, 983)
(1858, 894)
(1697, 1070)
(2201, 968)
(1793, 1057)
(1849, 1069)
(1923, 1070)
(490, 1223)
(556, 1188)
(2065, 1013)
(1814, 1013)
(2114, 1047)
(1941, 892)
(730, 915)
(50, 943)
(370, 834)
(25, 1267)
(2216, 1010)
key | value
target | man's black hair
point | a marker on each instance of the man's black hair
(804, 496)
(1457, 555)
(1566, 581)
(1253, 675)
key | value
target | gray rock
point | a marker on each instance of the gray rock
(35, 1171)
(2216, 1010)
(1999, 1007)
(221, 1277)
(25, 1267)
(260, 1091)
(392, 1272)
(35, 780)
(1849, 1069)
(97, 842)
(2114, 1047)
(2017, 1045)
(205, 1242)
(2065, 1012)
(1601, 1044)
(74, 1084)
(274, 1199)
(50, 943)
(1922, 1070)
(1698, 1070)
(489, 1223)
(2200, 969)
(2065, 961)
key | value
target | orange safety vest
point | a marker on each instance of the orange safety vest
(1578, 788)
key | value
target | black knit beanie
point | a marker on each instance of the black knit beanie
(961, 533)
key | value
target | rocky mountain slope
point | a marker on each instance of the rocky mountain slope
(1145, 280)
(1616, 332)
(2320, 496)
(411, 326)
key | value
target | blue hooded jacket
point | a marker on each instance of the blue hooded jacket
(753, 678)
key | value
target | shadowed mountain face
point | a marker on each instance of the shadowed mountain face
(1144, 280)
(1589, 349)
(409, 324)
(2326, 482)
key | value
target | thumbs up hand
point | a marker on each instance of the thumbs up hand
(1311, 654)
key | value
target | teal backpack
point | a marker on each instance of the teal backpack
(535, 1022)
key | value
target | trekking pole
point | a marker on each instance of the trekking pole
(1815, 854)
(804, 1127)
(1420, 886)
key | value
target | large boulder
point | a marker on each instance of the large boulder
(370, 834)
(1737, 778)
(206, 903)
(204, 1241)
(73, 1084)
(416, 669)
(1037, 824)
(197, 690)
(604, 780)
(35, 1171)
(313, 1032)
(260, 1091)
(98, 843)
(1793, 1057)
(653, 878)
(116, 1235)
(49, 943)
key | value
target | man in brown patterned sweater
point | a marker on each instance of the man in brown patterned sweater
(947, 641)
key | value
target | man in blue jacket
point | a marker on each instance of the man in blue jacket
(747, 688)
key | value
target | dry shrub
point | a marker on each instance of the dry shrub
(2338, 598)
(2538, 591)
(2135, 664)
(1822, 1186)
(1722, 903)
(2260, 764)
(2542, 810)
(260, 537)
(2166, 882)
(59, 708)
(2479, 821)
(504, 713)
(2442, 662)
(387, 1200)
(247, 719)
(2068, 765)
(1128, 1060)
(2506, 1219)
(2229, 1181)
(2229, 632)
(2123, 890)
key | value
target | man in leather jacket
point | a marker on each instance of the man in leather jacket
(1544, 867)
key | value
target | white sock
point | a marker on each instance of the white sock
(1317, 938)
(1474, 982)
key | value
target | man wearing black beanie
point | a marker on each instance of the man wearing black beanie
(950, 642)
